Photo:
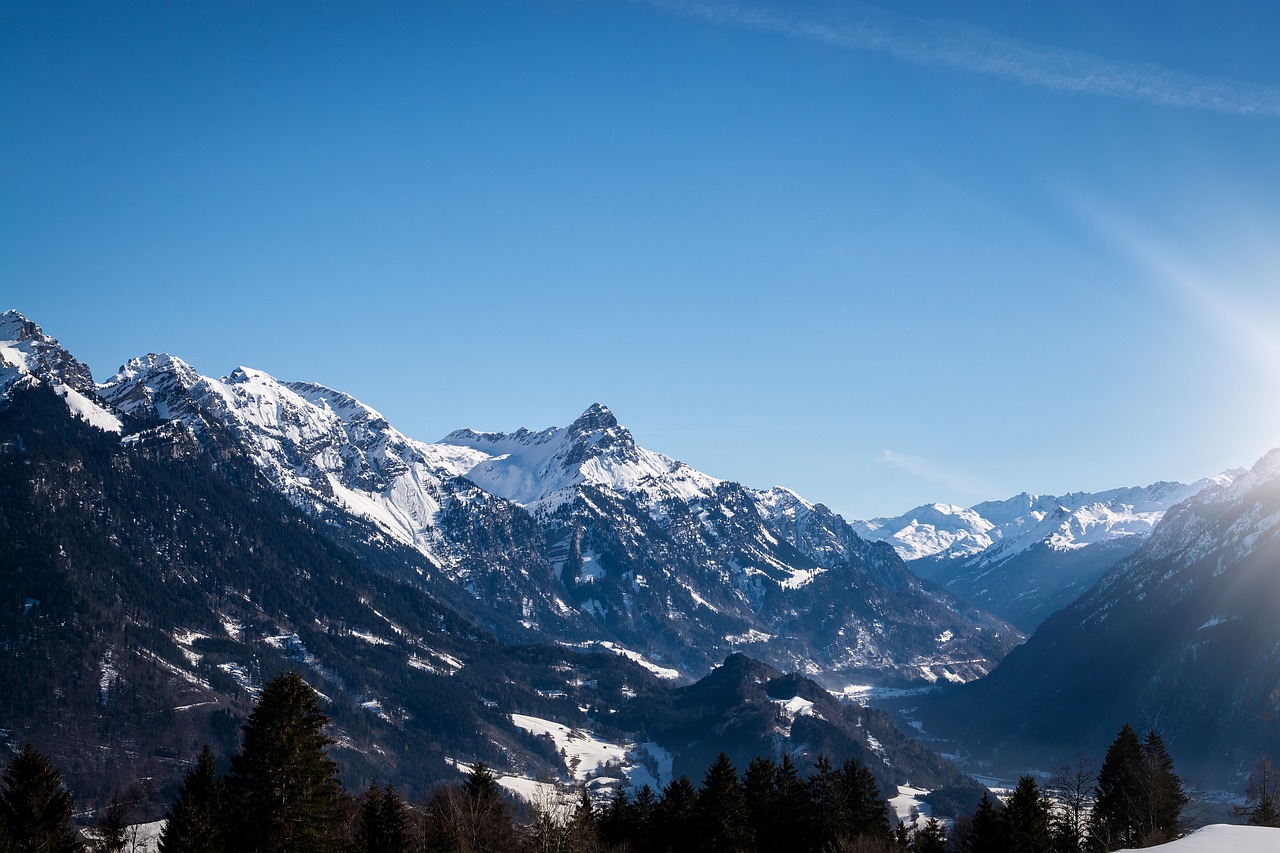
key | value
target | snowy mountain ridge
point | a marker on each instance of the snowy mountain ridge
(572, 534)
(29, 356)
(999, 530)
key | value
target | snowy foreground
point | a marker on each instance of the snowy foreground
(1222, 838)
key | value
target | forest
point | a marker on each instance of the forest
(282, 794)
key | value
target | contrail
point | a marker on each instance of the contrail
(865, 28)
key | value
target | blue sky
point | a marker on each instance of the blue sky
(883, 255)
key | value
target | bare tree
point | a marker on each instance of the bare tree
(1071, 789)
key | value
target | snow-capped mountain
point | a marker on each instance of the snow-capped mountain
(1030, 555)
(1181, 635)
(576, 534)
(28, 356)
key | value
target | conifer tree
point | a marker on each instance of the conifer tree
(382, 825)
(194, 823)
(673, 817)
(620, 821)
(721, 810)
(1115, 821)
(868, 811)
(986, 830)
(113, 828)
(283, 791)
(760, 792)
(932, 838)
(471, 818)
(35, 808)
(1026, 819)
(1165, 798)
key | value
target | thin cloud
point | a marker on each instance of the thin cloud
(980, 51)
(921, 468)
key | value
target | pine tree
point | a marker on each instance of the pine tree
(283, 790)
(1115, 821)
(471, 818)
(760, 792)
(1165, 798)
(113, 828)
(932, 838)
(1026, 819)
(986, 833)
(35, 808)
(721, 810)
(194, 823)
(382, 825)
(868, 811)
(620, 821)
(673, 817)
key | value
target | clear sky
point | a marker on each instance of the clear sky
(881, 254)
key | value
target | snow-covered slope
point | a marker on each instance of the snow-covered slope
(318, 446)
(1223, 838)
(28, 356)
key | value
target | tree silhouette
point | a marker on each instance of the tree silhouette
(194, 822)
(35, 808)
(283, 790)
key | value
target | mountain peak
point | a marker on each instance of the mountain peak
(596, 417)
(25, 346)
(15, 327)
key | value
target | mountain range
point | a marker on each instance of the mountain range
(173, 541)
(1181, 636)
(1029, 556)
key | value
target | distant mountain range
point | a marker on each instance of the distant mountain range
(1029, 556)
(1181, 636)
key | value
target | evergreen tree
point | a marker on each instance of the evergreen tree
(930, 838)
(471, 818)
(113, 828)
(986, 830)
(673, 817)
(1115, 821)
(621, 820)
(283, 790)
(382, 825)
(35, 808)
(1139, 797)
(194, 822)
(760, 792)
(1026, 819)
(1165, 798)
(868, 811)
(721, 810)
(830, 801)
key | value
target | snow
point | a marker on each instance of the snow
(999, 530)
(659, 671)
(909, 804)
(796, 706)
(87, 410)
(1224, 838)
(587, 755)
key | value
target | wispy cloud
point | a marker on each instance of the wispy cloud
(930, 472)
(865, 28)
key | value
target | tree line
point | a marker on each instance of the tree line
(282, 794)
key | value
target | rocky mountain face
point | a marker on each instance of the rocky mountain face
(1181, 636)
(154, 577)
(578, 535)
(1030, 555)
